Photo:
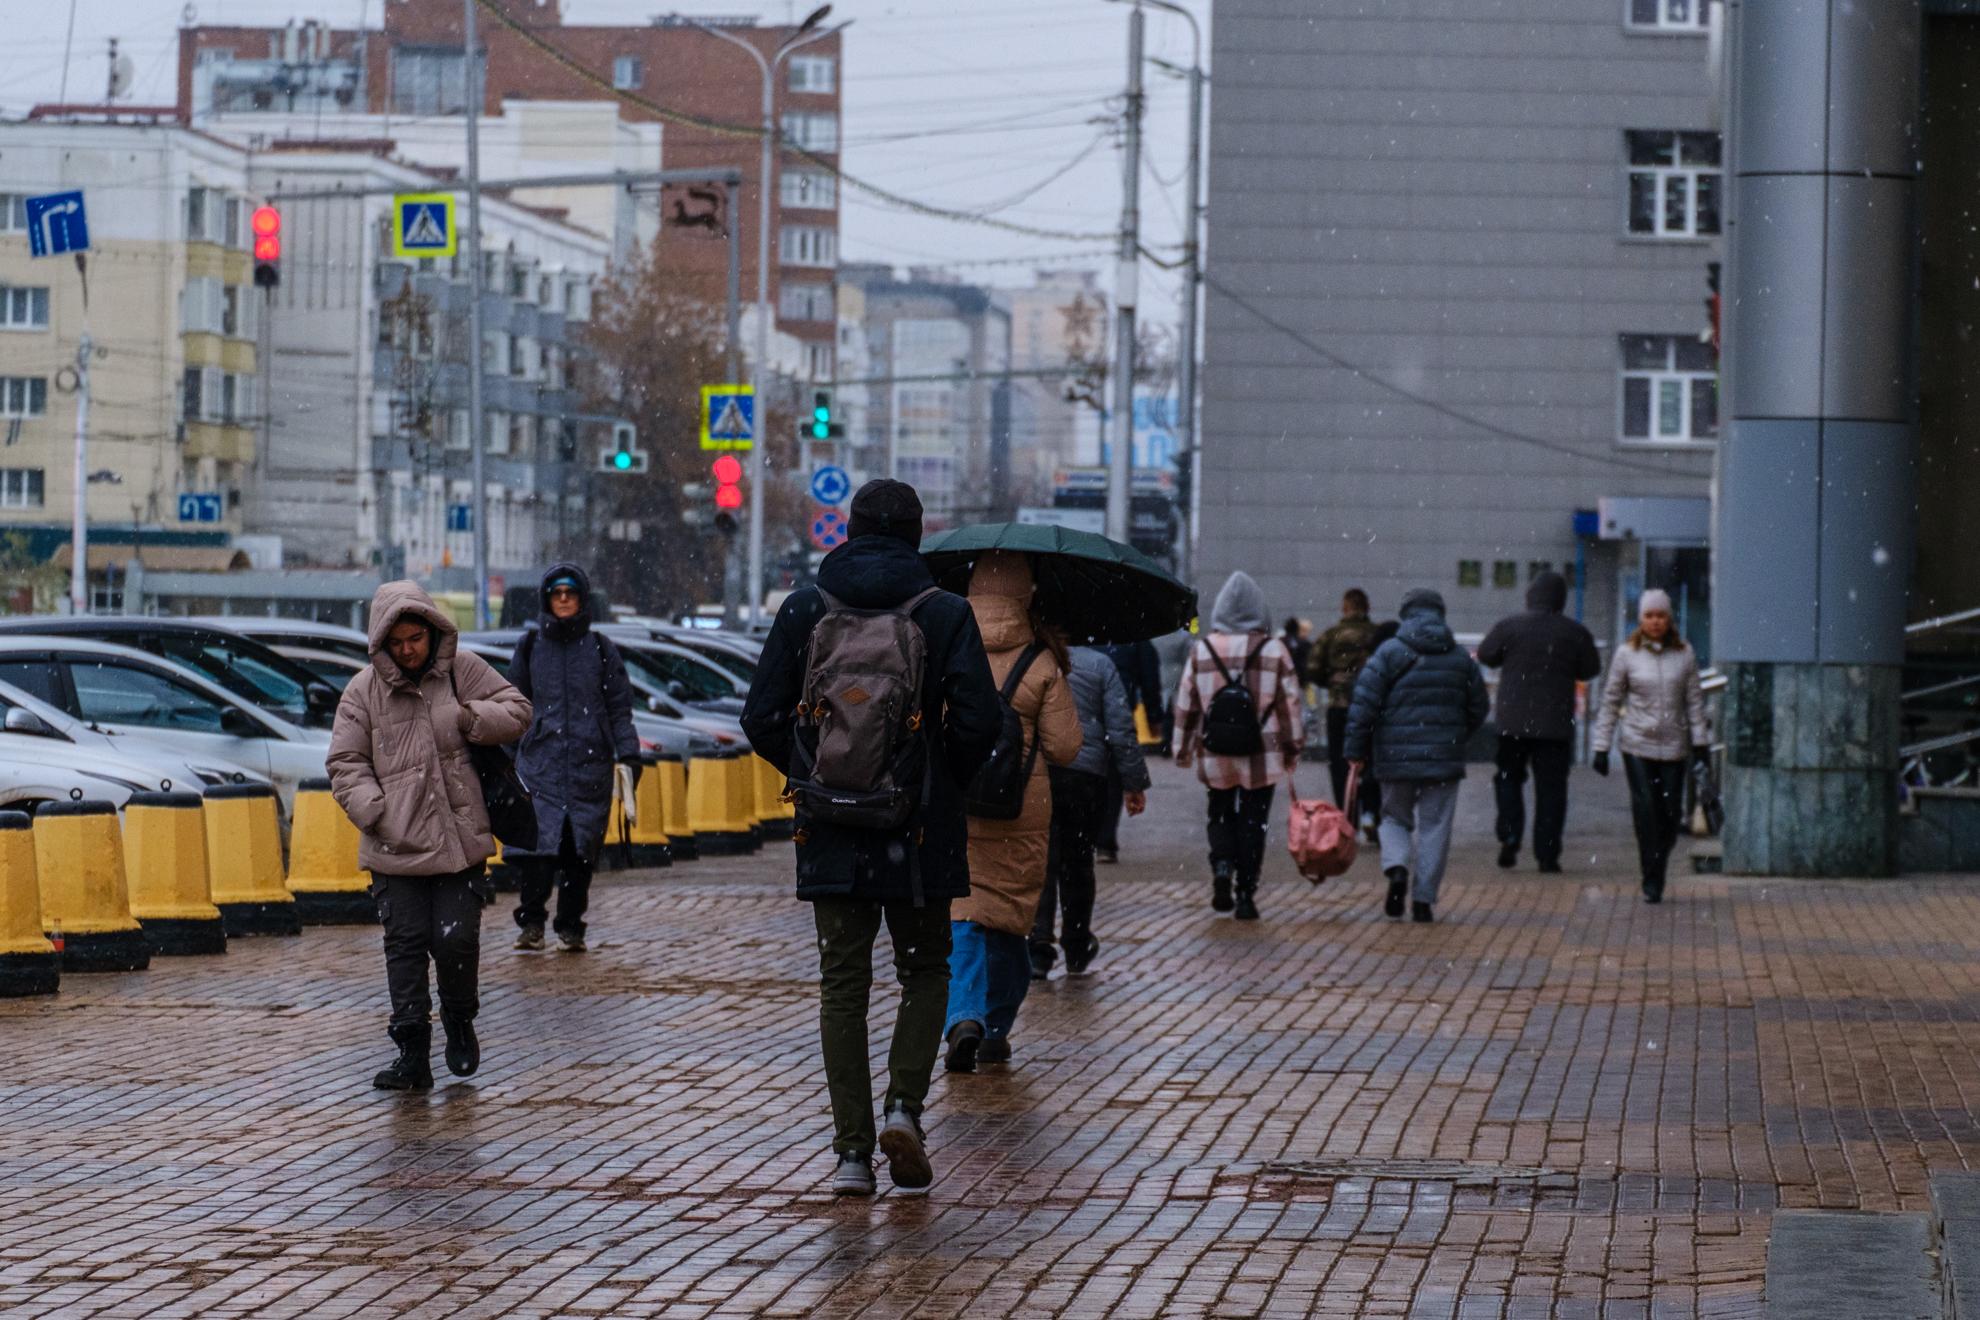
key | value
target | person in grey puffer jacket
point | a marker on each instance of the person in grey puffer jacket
(1110, 749)
(1416, 704)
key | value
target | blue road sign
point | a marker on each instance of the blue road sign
(728, 416)
(199, 506)
(460, 517)
(56, 224)
(830, 485)
(423, 225)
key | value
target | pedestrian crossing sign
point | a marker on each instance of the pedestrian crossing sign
(423, 225)
(728, 416)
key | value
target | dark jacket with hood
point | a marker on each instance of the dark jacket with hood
(1542, 654)
(1419, 699)
(577, 685)
(876, 571)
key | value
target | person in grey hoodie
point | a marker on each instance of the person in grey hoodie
(1109, 749)
(1417, 702)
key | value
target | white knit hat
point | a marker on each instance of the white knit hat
(1653, 599)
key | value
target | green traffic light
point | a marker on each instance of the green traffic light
(821, 431)
(821, 414)
(622, 460)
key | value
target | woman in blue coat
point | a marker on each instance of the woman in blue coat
(582, 726)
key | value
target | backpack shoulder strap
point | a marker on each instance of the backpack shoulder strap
(916, 601)
(527, 646)
(1016, 676)
(831, 602)
(1222, 670)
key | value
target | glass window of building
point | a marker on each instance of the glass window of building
(627, 73)
(1683, 16)
(1670, 390)
(20, 488)
(429, 80)
(813, 73)
(816, 190)
(1674, 183)
(808, 245)
(23, 396)
(23, 307)
(813, 132)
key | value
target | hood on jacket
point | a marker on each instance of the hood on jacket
(1423, 628)
(874, 573)
(1240, 606)
(1000, 588)
(578, 624)
(1548, 593)
(394, 601)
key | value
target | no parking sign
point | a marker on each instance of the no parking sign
(828, 529)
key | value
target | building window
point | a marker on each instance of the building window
(192, 394)
(805, 302)
(811, 131)
(1674, 183)
(429, 81)
(457, 430)
(518, 357)
(627, 73)
(518, 280)
(202, 307)
(522, 433)
(496, 424)
(20, 488)
(1535, 567)
(1665, 15)
(814, 190)
(1670, 390)
(808, 245)
(237, 311)
(1505, 573)
(23, 396)
(813, 73)
(13, 213)
(1471, 573)
(818, 361)
(23, 307)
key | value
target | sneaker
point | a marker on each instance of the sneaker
(995, 1051)
(907, 1156)
(1392, 905)
(1653, 893)
(463, 1050)
(1042, 958)
(854, 1176)
(569, 941)
(1509, 856)
(530, 937)
(1079, 959)
(1420, 912)
(964, 1040)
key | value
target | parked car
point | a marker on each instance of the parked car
(123, 690)
(29, 716)
(32, 775)
(733, 652)
(251, 671)
(280, 633)
(333, 667)
(679, 673)
(661, 725)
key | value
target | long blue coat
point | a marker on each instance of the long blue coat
(577, 686)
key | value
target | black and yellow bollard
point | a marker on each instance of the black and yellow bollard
(244, 857)
(28, 965)
(165, 869)
(720, 801)
(85, 906)
(324, 877)
(671, 776)
(774, 816)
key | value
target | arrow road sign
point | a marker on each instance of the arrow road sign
(57, 224)
(830, 485)
(199, 506)
(423, 225)
(728, 416)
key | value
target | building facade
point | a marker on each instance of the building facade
(1060, 320)
(1456, 327)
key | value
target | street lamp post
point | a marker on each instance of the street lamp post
(806, 33)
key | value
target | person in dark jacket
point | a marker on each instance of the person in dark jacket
(1417, 702)
(856, 878)
(1140, 669)
(1333, 662)
(1541, 654)
(576, 683)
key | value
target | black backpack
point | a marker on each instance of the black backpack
(997, 791)
(1230, 726)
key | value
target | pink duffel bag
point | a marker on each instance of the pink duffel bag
(1321, 836)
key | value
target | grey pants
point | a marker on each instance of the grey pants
(1418, 814)
(437, 917)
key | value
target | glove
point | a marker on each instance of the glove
(1600, 764)
(634, 764)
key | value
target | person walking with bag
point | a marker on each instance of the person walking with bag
(1108, 745)
(400, 768)
(576, 681)
(1010, 816)
(1238, 718)
(1333, 662)
(1541, 654)
(1653, 711)
(1416, 704)
(873, 695)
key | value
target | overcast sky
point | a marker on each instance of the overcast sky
(969, 106)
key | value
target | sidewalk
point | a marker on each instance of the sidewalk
(1557, 1101)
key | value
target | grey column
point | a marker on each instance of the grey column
(1816, 470)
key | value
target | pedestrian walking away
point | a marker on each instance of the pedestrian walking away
(889, 843)
(1541, 655)
(1010, 826)
(1333, 662)
(576, 682)
(400, 769)
(1139, 665)
(1298, 646)
(1416, 704)
(1653, 712)
(1238, 717)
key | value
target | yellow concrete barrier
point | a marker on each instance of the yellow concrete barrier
(329, 887)
(671, 776)
(85, 905)
(720, 802)
(773, 814)
(1145, 733)
(648, 835)
(165, 868)
(244, 857)
(28, 965)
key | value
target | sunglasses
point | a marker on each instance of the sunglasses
(563, 593)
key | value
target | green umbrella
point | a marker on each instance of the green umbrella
(1097, 590)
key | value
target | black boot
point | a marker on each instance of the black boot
(1653, 890)
(1392, 903)
(1220, 886)
(1247, 891)
(463, 1050)
(413, 1069)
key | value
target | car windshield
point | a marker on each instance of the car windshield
(334, 672)
(698, 681)
(723, 658)
(245, 669)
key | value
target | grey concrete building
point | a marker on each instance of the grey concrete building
(1457, 272)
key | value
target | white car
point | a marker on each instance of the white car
(125, 691)
(280, 633)
(24, 717)
(30, 776)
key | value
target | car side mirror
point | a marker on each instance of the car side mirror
(677, 689)
(20, 720)
(238, 722)
(653, 704)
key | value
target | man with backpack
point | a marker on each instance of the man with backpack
(873, 696)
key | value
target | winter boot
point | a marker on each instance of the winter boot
(1042, 958)
(1508, 856)
(413, 1069)
(907, 1154)
(463, 1050)
(1247, 891)
(1421, 913)
(1392, 905)
(965, 1038)
(1080, 951)
(1220, 887)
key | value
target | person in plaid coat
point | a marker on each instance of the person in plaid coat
(1241, 787)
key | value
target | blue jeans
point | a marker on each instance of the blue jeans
(989, 973)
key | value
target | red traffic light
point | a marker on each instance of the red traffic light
(266, 221)
(727, 469)
(267, 248)
(728, 497)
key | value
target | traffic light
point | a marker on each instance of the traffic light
(822, 425)
(266, 223)
(625, 457)
(727, 471)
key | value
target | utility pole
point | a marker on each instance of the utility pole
(731, 577)
(477, 437)
(1120, 470)
(79, 569)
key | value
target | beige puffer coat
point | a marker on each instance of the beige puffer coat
(1652, 706)
(1007, 857)
(398, 760)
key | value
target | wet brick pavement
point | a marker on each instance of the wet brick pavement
(1555, 1102)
